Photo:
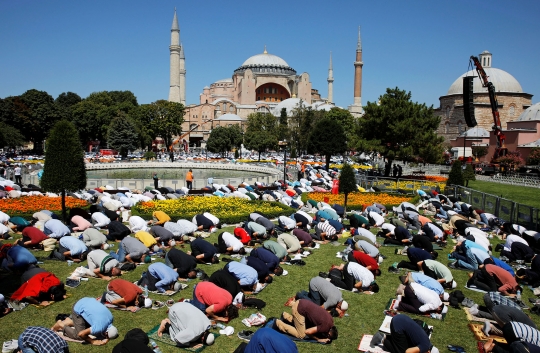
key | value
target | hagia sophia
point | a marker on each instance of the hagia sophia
(266, 83)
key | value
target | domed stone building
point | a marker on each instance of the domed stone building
(510, 96)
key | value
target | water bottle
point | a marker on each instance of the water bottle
(145, 291)
(220, 326)
(436, 316)
(518, 295)
(155, 347)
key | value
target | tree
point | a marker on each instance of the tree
(344, 118)
(468, 174)
(10, 136)
(397, 127)
(512, 160)
(327, 138)
(456, 174)
(64, 168)
(33, 113)
(347, 182)
(283, 127)
(67, 100)
(219, 141)
(166, 120)
(534, 156)
(479, 151)
(261, 132)
(122, 135)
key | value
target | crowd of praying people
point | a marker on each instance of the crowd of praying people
(254, 253)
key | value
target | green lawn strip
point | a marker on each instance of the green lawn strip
(521, 194)
(365, 313)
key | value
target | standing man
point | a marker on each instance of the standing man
(189, 179)
(156, 179)
(18, 178)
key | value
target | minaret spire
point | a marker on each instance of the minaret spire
(174, 49)
(330, 81)
(359, 44)
(356, 108)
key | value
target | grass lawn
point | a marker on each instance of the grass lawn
(365, 311)
(521, 194)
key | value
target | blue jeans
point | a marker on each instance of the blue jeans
(120, 256)
(195, 302)
(442, 213)
(469, 262)
(23, 348)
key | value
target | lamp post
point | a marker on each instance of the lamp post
(284, 144)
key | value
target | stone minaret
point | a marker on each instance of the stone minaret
(175, 49)
(182, 75)
(330, 81)
(356, 108)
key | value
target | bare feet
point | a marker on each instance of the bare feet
(488, 346)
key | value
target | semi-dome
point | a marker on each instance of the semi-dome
(289, 104)
(502, 80)
(531, 113)
(476, 132)
(266, 64)
(229, 117)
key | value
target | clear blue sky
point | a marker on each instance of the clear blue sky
(420, 46)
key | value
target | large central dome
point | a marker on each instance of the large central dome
(265, 59)
(266, 64)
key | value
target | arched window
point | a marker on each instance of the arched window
(446, 127)
(447, 112)
(512, 110)
(459, 127)
(231, 109)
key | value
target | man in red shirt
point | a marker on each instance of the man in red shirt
(42, 288)
(494, 278)
(214, 301)
(32, 237)
(242, 235)
(365, 260)
(123, 294)
(308, 320)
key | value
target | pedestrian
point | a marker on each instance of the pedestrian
(17, 172)
(189, 179)
(156, 179)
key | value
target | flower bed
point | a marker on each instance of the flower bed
(31, 204)
(228, 210)
(357, 199)
(436, 178)
(354, 165)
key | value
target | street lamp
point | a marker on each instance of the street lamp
(284, 144)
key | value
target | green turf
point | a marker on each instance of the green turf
(521, 194)
(365, 311)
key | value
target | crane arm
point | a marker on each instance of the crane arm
(497, 128)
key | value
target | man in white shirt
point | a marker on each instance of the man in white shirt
(375, 219)
(137, 223)
(353, 276)
(99, 220)
(229, 244)
(418, 299)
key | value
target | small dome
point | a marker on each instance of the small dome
(225, 80)
(325, 107)
(229, 117)
(531, 144)
(502, 80)
(476, 132)
(531, 113)
(290, 104)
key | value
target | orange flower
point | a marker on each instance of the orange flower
(31, 204)
(359, 198)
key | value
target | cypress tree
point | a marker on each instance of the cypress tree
(347, 182)
(456, 175)
(468, 174)
(64, 168)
